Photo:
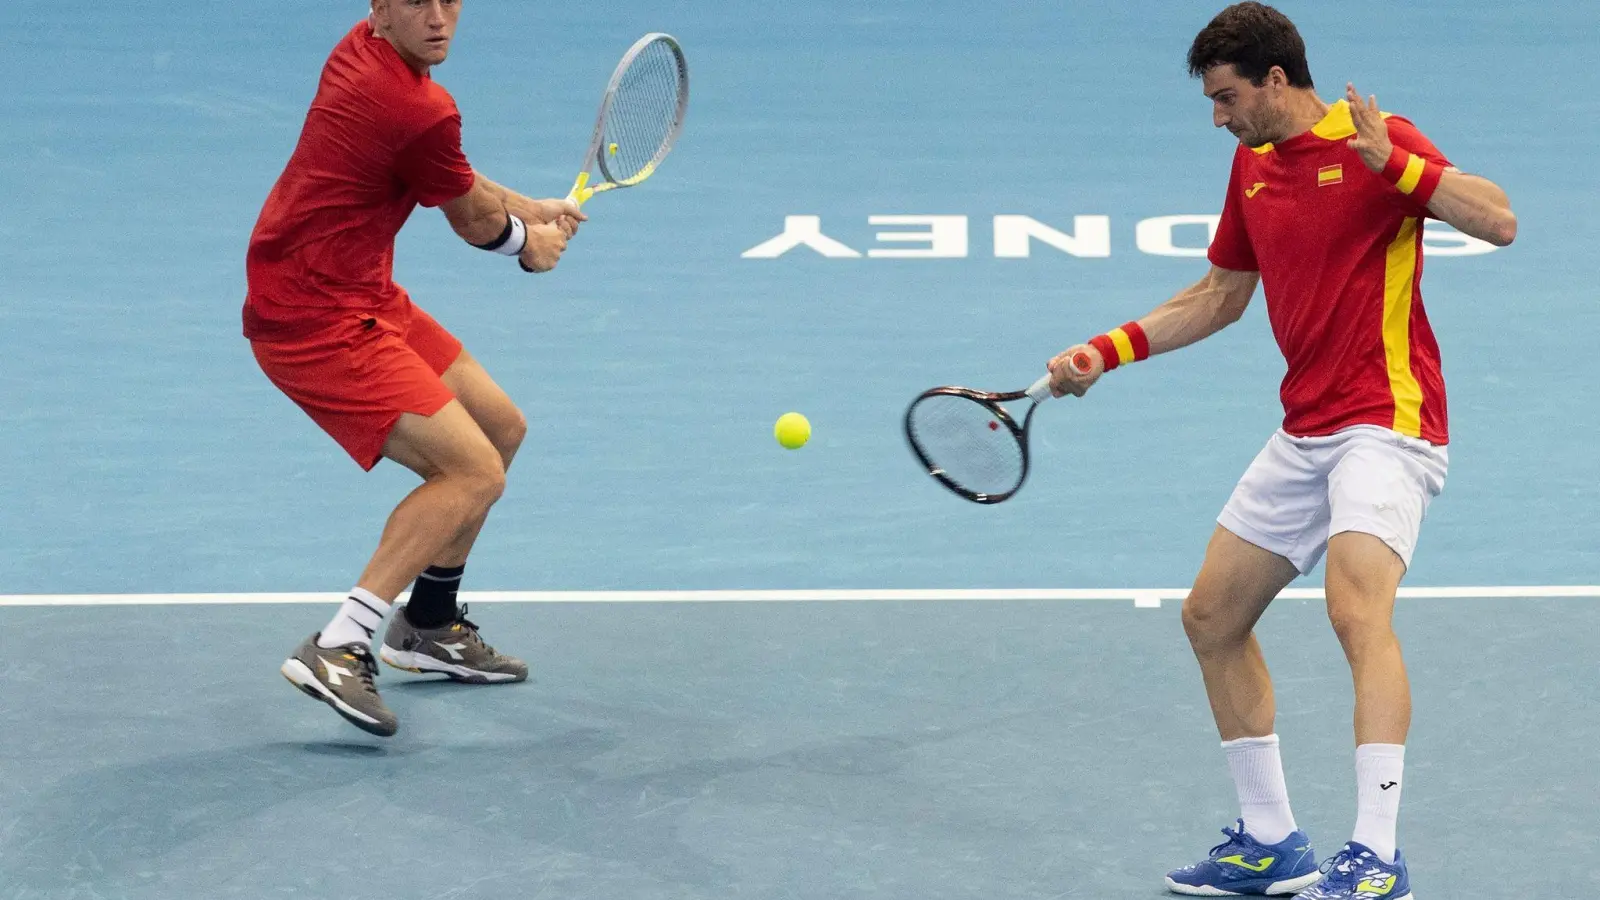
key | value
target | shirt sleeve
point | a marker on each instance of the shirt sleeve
(433, 166)
(1405, 135)
(1230, 248)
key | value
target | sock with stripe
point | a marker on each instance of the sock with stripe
(433, 597)
(355, 622)
(1257, 771)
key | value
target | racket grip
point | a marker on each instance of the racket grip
(580, 190)
(1040, 391)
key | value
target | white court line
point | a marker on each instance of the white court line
(1140, 597)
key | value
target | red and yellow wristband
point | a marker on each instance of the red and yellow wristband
(1416, 177)
(1120, 346)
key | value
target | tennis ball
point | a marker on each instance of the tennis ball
(792, 430)
(612, 149)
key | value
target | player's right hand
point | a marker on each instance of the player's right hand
(546, 243)
(1066, 379)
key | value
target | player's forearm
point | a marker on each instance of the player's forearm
(479, 217)
(1196, 313)
(525, 208)
(1475, 206)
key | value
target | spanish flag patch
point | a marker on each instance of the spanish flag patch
(1330, 175)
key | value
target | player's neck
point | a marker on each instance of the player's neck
(416, 65)
(1306, 109)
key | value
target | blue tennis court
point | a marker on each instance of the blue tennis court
(742, 743)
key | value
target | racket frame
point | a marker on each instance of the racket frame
(582, 190)
(990, 401)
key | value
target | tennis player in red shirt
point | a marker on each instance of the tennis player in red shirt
(1324, 208)
(334, 332)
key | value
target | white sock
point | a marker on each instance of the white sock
(1378, 770)
(356, 620)
(1263, 797)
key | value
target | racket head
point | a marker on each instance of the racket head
(969, 443)
(641, 114)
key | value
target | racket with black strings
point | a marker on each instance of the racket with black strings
(972, 444)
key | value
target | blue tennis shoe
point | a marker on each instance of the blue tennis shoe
(1356, 873)
(1242, 865)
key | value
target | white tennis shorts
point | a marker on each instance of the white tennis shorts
(1301, 491)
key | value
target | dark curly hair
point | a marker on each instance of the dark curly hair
(1253, 37)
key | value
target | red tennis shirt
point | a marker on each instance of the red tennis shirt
(380, 139)
(1339, 250)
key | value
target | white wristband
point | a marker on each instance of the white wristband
(516, 241)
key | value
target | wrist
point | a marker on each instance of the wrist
(1412, 175)
(511, 240)
(1121, 346)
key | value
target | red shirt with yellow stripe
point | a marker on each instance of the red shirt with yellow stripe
(1339, 250)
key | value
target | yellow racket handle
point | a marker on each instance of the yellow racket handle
(581, 191)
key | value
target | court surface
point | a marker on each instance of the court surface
(837, 743)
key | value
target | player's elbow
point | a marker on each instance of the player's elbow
(1231, 310)
(1504, 230)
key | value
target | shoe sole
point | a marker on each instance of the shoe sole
(1275, 889)
(423, 664)
(301, 676)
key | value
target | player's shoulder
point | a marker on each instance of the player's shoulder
(370, 72)
(1393, 120)
(1401, 126)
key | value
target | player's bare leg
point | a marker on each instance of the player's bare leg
(432, 633)
(1237, 581)
(462, 477)
(501, 422)
(1363, 576)
(1267, 854)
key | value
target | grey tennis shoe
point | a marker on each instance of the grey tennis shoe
(342, 678)
(455, 650)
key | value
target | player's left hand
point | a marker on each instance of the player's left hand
(1372, 136)
(562, 212)
(556, 212)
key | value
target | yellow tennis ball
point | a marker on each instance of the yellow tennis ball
(792, 430)
(612, 149)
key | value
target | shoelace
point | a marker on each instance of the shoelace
(472, 630)
(1234, 837)
(1341, 865)
(368, 668)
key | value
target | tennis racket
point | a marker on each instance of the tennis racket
(973, 445)
(641, 115)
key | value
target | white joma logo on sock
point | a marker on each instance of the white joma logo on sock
(453, 649)
(334, 673)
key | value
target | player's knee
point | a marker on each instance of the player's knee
(1358, 621)
(480, 478)
(510, 438)
(1205, 623)
(489, 483)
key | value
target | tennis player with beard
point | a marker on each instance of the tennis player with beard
(1324, 209)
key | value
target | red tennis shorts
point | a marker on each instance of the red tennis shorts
(358, 374)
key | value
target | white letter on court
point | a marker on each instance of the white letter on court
(799, 230)
(946, 237)
(1154, 236)
(1091, 236)
(1439, 239)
